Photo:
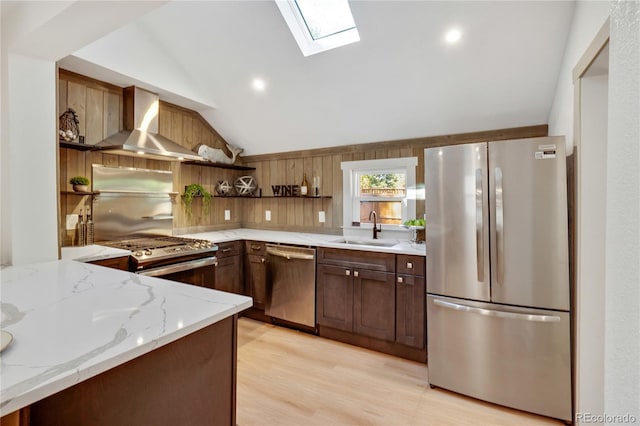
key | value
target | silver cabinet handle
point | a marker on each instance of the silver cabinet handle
(347, 272)
(499, 226)
(159, 217)
(498, 314)
(479, 226)
(179, 267)
(409, 265)
(400, 280)
(262, 260)
(355, 273)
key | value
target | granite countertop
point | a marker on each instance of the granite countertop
(308, 239)
(71, 321)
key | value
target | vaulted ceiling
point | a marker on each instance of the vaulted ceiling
(402, 80)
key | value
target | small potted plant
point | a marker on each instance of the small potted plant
(192, 191)
(80, 183)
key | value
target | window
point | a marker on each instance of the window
(319, 25)
(386, 186)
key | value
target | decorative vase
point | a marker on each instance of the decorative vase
(81, 188)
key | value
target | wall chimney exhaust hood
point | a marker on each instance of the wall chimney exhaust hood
(140, 136)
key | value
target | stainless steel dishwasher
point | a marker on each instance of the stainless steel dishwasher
(291, 289)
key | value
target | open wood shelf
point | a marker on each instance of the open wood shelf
(218, 165)
(78, 193)
(274, 196)
(77, 146)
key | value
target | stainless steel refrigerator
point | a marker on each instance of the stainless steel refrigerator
(498, 320)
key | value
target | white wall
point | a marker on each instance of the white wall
(622, 289)
(29, 194)
(34, 36)
(591, 269)
(587, 20)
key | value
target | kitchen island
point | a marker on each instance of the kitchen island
(94, 345)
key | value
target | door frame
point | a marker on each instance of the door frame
(591, 53)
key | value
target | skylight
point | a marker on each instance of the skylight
(319, 25)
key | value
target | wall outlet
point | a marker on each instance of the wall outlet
(321, 217)
(72, 221)
(267, 215)
(227, 215)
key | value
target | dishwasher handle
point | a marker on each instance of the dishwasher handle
(289, 254)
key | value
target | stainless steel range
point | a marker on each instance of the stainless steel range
(152, 252)
(185, 260)
(133, 210)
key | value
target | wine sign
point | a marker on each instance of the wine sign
(286, 190)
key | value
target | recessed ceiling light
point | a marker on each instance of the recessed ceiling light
(453, 35)
(258, 84)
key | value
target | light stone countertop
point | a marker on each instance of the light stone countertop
(96, 252)
(92, 253)
(71, 321)
(308, 239)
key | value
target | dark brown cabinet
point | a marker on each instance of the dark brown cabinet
(356, 292)
(255, 266)
(410, 301)
(334, 297)
(228, 276)
(372, 299)
(374, 304)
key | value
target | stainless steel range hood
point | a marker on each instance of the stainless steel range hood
(140, 136)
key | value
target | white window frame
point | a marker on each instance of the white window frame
(306, 43)
(350, 186)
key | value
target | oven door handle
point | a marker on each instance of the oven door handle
(179, 267)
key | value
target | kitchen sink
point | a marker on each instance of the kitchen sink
(371, 243)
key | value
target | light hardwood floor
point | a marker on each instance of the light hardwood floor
(287, 377)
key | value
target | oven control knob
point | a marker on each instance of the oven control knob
(208, 243)
(137, 253)
(196, 244)
(147, 252)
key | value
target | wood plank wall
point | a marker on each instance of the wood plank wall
(99, 107)
(99, 104)
(288, 168)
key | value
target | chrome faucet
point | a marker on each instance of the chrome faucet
(376, 228)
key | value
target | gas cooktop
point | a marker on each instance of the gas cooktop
(150, 250)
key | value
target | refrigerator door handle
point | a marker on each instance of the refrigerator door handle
(499, 226)
(498, 314)
(479, 227)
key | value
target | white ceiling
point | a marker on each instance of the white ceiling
(400, 81)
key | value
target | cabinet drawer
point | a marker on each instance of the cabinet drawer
(229, 248)
(373, 261)
(255, 247)
(410, 265)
